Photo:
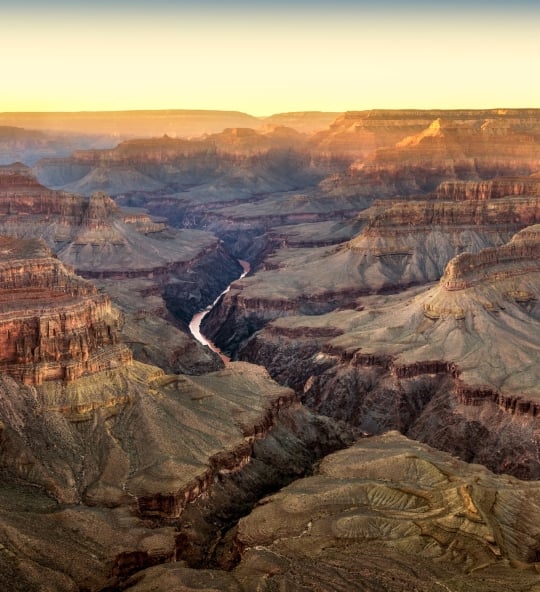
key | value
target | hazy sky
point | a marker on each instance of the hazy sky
(266, 57)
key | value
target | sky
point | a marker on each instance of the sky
(265, 57)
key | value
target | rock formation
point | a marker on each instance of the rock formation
(454, 145)
(231, 158)
(134, 449)
(117, 475)
(53, 324)
(87, 426)
(359, 133)
(492, 189)
(385, 514)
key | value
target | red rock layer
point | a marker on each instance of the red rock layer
(21, 194)
(493, 189)
(53, 324)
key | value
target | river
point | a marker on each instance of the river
(195, 324)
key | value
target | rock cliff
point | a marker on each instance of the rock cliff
(454, 145)
(228, 159)
(53, 324)
(124, 450)
(492, 189)
(136, 450)
(169, 270)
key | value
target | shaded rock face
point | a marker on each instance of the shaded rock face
(53, 324)
(386, 514)
(453, 365)
(242, 160)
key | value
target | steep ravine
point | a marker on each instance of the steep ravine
(286, 444)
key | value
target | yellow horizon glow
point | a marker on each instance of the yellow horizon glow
(267, 66)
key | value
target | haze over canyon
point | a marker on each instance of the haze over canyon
(367, 417)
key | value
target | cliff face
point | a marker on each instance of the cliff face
(53, 324)
(358, 133)
(167, 453)
(82, 423)
(171, 164)
(492, 189)
(22, 194)
(393, 152)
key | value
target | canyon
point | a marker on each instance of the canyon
(372, 282)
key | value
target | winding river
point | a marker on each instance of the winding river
(195, 324)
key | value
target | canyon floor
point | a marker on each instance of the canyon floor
(377, 427)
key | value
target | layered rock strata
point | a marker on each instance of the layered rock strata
(53, 324)
(492, 189)
(141, 460)
(453, 146)
(236, 159)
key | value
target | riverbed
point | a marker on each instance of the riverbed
(195, 323)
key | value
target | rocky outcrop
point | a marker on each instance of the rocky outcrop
(22, 194)
(402, 243)
(175, 452)
(492, 189)
(386, 514)
(405, 217)
(358, 133)
(228, 159)
(53, 324)
(89, 428)
(519, 257)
